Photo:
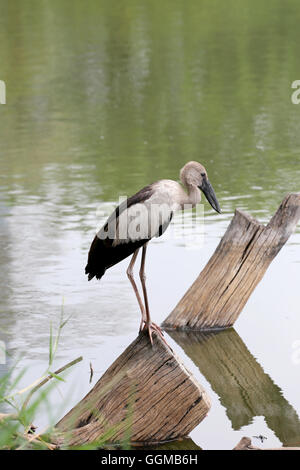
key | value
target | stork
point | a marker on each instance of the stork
(141, 217)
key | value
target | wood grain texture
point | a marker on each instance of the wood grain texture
(242, 257)
(147, 395)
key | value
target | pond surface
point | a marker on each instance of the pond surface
(103, 98)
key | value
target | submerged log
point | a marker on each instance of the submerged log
(242, 257)
(146, 395)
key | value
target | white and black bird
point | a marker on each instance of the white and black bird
(141, 217)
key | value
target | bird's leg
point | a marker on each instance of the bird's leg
(131, 279)
(148, 323)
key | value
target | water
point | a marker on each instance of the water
(104, 98)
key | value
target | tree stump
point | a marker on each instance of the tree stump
(222, 289)
(146, 396)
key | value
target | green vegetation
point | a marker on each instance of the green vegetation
(17, 430)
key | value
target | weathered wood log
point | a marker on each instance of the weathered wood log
(146, 395)
(222, 289)
(246, 444)
(243, 387)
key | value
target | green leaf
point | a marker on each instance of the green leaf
(56, 376)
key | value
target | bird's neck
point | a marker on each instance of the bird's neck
(194, 194)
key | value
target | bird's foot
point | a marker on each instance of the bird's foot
(150, 327)
(143, 321)
(142, 325)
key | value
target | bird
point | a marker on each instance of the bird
(141, 217)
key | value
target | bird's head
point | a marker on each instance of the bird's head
(194, 174)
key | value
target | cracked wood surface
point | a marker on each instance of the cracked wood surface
(242, 257)
(146, 395)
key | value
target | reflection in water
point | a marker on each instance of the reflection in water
(245, 390)
(130, 94)
(6, 321)
(182, 444)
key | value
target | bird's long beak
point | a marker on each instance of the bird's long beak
(210, 195)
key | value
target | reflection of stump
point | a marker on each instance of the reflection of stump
(242, 257)
(240, 382)
(147, 395)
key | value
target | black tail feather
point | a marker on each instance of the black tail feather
(92, 272)
(104, 255)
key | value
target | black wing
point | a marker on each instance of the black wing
(103, 254)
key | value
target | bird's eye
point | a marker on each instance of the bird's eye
(202, 174)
